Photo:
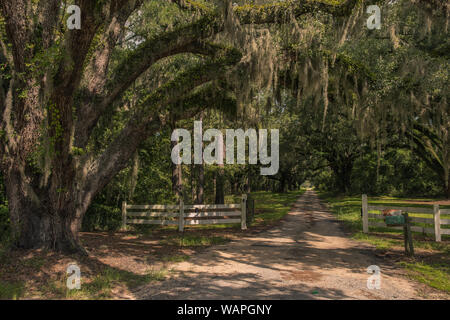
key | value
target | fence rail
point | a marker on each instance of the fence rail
(186, 215)
(435, 220)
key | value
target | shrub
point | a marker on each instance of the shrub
(102, 218)
(4, 224)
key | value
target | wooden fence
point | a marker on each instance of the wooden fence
(434, 211)
(182, 215)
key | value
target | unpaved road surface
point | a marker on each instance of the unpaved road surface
(307, 256)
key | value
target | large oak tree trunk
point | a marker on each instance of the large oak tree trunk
(44, 219)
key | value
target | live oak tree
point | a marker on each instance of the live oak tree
(411, 76)
(58, 85)
(391, 83)
(384, 88)
(433, 147)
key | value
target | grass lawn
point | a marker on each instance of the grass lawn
(271, 207)
(188, 240)
(432, 262)
(101, 285)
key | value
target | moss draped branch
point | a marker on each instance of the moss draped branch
(278, 12)
(154, 111)
(181, 40)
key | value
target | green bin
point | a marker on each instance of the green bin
(395, 220)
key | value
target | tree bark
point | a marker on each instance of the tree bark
(247, 188)
(49, 220)
(177, 179)
(446, 187)
(448, 192)
(219, 181)
(134, 173)
(282, 185)
(200, 183)
(192, 186)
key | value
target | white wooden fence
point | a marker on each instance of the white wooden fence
(185, 215)
(434, 211)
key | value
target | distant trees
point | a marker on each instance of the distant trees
(433, 149)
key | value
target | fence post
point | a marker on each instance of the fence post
(124, 215)
(437, 222)
(409, 247)
(244, 212)
(365, 214)
(181, 217)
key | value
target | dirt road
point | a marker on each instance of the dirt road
(307, 256)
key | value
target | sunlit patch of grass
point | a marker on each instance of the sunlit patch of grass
(193, 240)
(100, 286)
(11, 290)
(384, 242)
(347, 210)
(432, 245)
(176, 258)
(379, 243)
(434, 275)
(271, 207)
